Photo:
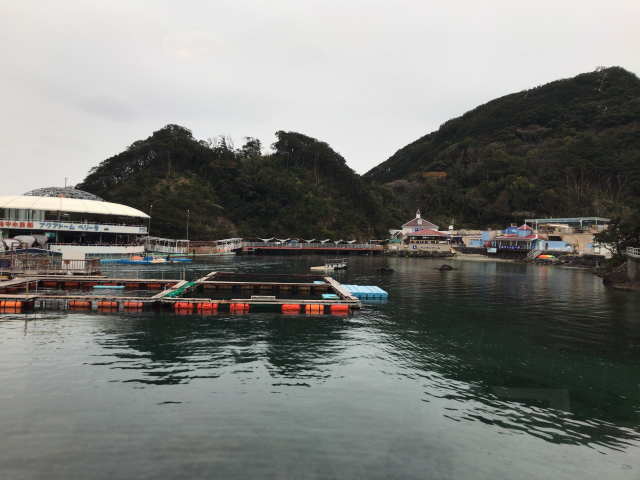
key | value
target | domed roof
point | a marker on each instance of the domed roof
(63, 192)
(64, 204)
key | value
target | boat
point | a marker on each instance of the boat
(149, 260)
(332, 264)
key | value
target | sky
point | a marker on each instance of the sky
(82, 80)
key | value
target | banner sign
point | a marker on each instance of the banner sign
(70, 226)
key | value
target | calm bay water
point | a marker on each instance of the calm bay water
(491, 371)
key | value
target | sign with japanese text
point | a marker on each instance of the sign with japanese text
(70, 226)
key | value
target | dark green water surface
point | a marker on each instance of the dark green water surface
(491, 371)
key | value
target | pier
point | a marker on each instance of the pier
(36, 265)
(210, 294)
(304, 248)
(633, 263)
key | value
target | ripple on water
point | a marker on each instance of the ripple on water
(487, 351)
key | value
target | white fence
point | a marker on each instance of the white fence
(301, 245)
(633, 252)
(78, 252)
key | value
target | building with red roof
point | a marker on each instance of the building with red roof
(417, 224)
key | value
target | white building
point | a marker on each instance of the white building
(72, 222)
(418, 224)
(420, 234)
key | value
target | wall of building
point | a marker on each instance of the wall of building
(40, 227)
(473, 242)
(633, 268)
(79, 252)
(554, 246)
(434, 247)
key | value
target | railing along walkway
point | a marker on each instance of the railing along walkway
(302, 246)
(633, 252)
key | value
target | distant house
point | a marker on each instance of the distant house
(428, 239)
(419, 234)
(418, 224)
(518, 239)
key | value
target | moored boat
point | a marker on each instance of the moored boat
(149, 260)
(331, 264)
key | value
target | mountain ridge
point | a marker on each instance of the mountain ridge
(569, 147)
(302, 188)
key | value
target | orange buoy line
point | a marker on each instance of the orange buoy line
(242, 289)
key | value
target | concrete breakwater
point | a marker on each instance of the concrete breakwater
(627, 275)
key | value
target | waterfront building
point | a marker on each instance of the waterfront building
(417, 224)
(514, 239)
(577, 224)
(427, 239)
(419, 234)
(71, 222)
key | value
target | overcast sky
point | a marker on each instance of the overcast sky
(80, 81)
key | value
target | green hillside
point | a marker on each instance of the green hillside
(568, 148)
(571, 147)
(303, 188)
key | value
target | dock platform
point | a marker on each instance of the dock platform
(212, 293)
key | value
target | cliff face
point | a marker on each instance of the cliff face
(303, 188)
(570, 147)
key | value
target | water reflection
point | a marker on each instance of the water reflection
(540, 352)
(533, 350)
(167, 349)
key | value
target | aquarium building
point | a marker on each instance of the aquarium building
(72, 222)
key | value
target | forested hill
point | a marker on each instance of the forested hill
(570, 147)
(303, 188)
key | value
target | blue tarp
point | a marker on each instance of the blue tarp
(366, 292)
(330, 296)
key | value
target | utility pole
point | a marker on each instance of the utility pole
(188, 223)
(149, 226)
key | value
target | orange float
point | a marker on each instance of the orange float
(339, 309)
(107, 304)
(184, 306)
(10, 304)
(10, 310)
(290, 308)
(206, 306)
(133, 305)
(239, 308)
(314, 308)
